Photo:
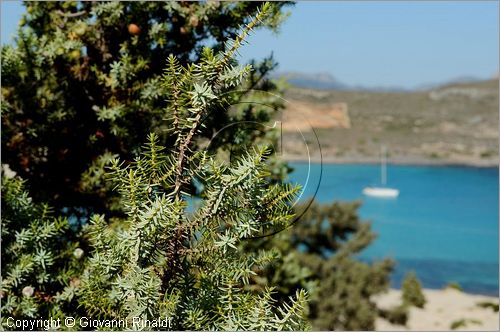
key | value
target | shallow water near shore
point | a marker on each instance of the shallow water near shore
(444, 224)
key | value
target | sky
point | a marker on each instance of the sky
(372, 43)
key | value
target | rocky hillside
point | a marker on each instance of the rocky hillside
(455, 124)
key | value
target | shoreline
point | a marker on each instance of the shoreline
(495, 297)
(430, 289)
(444, 308)
(402, 161)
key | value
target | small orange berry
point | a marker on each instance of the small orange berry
(134, 29)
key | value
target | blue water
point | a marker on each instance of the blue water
(444, 224)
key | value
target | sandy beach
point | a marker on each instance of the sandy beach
(444, 309)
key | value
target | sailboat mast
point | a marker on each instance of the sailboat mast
(383, 169)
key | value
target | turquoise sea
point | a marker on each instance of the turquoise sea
(443, 225)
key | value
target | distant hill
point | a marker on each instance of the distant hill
(457, 80)
(323, 81)
(326, 81)
(454, 123)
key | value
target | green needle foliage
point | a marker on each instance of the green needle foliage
(41, 262)
(155, 258)
(176, 224)
(160, 260)
(83, 83)
(318, 254)
(163, 262)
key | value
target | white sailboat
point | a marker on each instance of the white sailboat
(383, 191)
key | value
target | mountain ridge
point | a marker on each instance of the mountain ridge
(327, 81)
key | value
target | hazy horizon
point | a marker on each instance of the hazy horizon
(404, 45)
(386, 44)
